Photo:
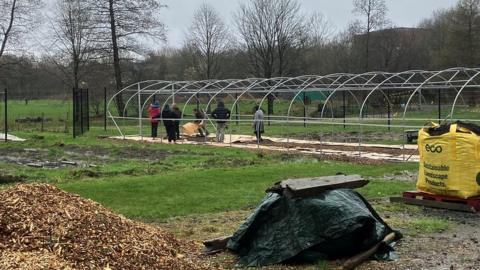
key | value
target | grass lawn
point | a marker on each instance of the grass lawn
(188, 192)
(155, 182)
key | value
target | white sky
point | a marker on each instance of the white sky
(177, 17)
(405, 13)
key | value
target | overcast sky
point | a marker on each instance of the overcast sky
(407, 13)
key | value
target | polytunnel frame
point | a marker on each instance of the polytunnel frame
(449, 81)
(461, 79)
(339, 76)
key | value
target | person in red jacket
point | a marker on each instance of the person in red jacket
(154, 112)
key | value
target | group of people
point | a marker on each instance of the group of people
(171, 121)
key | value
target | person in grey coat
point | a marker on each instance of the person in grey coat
(258, 123)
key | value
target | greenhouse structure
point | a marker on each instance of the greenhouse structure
(312, 106)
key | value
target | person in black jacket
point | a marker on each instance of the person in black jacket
(200, 121)
(178, 115)
(168, 121)
(221, 114)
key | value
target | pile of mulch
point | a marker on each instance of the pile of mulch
(43, 227)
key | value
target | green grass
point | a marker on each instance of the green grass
(203, 191)
(184, 179)
(427, 225)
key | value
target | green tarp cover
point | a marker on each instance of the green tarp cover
(334, 224)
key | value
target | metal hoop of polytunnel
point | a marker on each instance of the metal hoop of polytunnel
(320, 108)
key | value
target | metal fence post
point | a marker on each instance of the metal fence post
(73, 112)
(105, 108)
(439, 106)
(344, 107)
(5, 98)
(389, 111)
(236, 107)
(88, 110)
(81, 111)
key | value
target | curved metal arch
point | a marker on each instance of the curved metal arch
(125, 105)
(300, 78)
(139, 91)
(294, 98)
(301, 91)
(173, 94)
(131, 85)
(211, 83)
(203, 88)
(247, 91)
(129, 88)
(389, 79)
(221, 91)
(461, 90)
(435, 75)
(340, 87)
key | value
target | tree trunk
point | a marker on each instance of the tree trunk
(116, 60)
(9, 28)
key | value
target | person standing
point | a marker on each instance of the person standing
(168, 122)
(200, 121)
(154, 112)
(221, 114)
(258, 128)
(177, 115)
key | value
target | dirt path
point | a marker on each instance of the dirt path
(456, 248)
(353, 152)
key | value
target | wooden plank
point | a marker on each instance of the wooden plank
(312, 186)
(434, 204)
(216, 245)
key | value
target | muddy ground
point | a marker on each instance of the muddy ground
(315, 148)
(61, 156)
(353, 137)
(363, 148)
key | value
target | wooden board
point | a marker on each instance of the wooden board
(306, 187)
(216, 245)
(434, 204)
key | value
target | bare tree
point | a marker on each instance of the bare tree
(16, 17)
(374, 12)
(74, 33)
(319, 30)
(123, 22)
(208, 37)
(319, 33)
(270, 30)
(466, 30)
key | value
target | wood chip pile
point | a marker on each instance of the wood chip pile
(43, 227)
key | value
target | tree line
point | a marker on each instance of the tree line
(97, 44)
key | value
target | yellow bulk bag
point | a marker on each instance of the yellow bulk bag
(449, 161)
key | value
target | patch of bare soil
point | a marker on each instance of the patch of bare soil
(353, 137)
(38, 158)
(11, 179)
(456, 248)
(143, 153)
(62, 156)
(363, 148)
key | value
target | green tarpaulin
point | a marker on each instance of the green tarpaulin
(334, 224)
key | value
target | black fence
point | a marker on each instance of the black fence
(81, 109)
(4, 95)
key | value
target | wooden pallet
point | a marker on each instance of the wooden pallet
(439, 201)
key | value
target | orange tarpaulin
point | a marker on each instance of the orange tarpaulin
(190, 129)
